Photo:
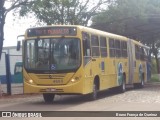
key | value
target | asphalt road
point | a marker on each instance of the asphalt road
(146, 99)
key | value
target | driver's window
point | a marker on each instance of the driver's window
(86, 47)
(30, 54)
(86, 44)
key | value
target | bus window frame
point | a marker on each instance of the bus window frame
(124, 49)
(86, 40)
(118, 52)
(112, 53)
(18, 64)
(103, 46)
(95, 46)
(137, 52)
(50, 71)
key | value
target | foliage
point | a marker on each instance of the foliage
(3, 13)
(153, 65)
(155, 78)
(129, 17)
(136, 19)
(63, 11)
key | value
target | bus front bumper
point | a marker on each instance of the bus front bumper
(74, 88)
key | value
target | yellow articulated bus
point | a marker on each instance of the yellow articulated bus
(71, 59)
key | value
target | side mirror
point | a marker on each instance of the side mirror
(18, 45)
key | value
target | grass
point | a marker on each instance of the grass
(155, 78)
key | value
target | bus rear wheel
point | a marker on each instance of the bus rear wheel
(48, 97)
(141, 84)
(122, 87)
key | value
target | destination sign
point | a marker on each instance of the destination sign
(52, 31)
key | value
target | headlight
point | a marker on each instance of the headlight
(75, 79)
(30, 81)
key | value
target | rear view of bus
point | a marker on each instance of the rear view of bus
(52, 61)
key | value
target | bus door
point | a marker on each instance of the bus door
(96, 67)
(131, 61)
(87, 61)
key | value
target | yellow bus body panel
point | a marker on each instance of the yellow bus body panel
(82, 80)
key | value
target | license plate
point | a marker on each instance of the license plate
(50, 90)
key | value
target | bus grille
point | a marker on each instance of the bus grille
(52, 76)
(52, 79)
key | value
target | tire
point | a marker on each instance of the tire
(122, 87)
(48, 97)
(139, 85)
(93, 95)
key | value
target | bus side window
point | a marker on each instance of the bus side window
(103, 46)
(111, 48)
(137, 52)
(124, 49)
(18, 69)
(118, 48)
(146, 54)
(95, 46)
(86, 44)
(142, 54)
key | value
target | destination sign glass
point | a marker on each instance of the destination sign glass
(52, 31)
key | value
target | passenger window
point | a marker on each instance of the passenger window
(111, 48)
(124, 49)
(95, 46)
(137, 52)
(146, 53)
(142, 54)
(103, 46)
(118, 48)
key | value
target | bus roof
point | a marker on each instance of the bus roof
(96, 31)
(103, 33)
(87, 29)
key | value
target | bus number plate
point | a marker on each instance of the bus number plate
(50, 90)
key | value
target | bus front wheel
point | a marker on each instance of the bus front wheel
(48, 97)
(93, 95)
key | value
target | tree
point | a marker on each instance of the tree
(3, 13)
(136, 19)
(2, 19)
(63, 11)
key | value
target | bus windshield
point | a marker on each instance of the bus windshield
(55, 54)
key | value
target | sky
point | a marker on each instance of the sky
(14, 27)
